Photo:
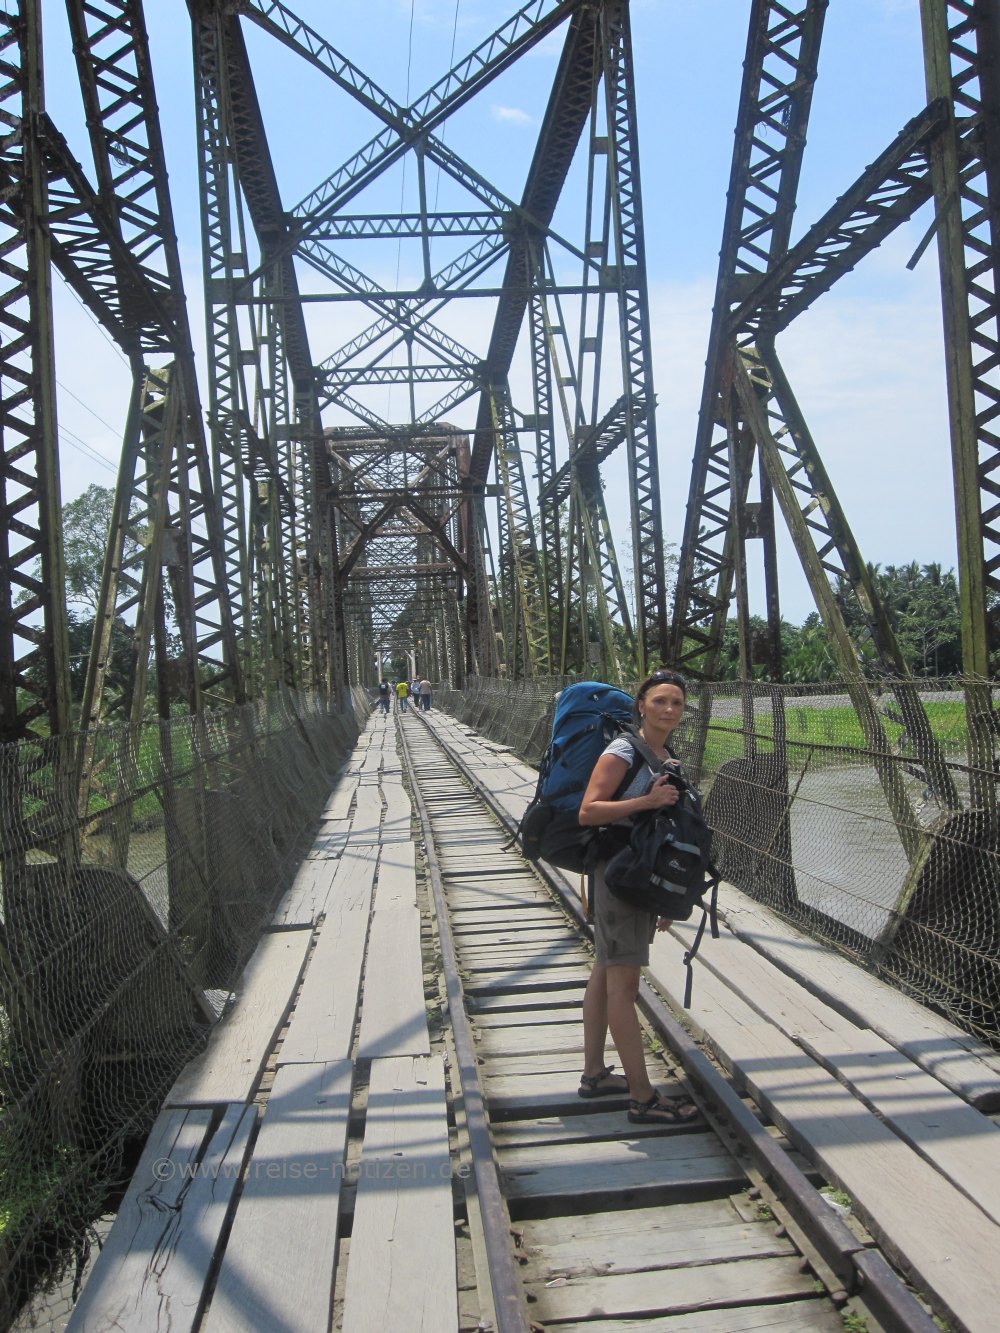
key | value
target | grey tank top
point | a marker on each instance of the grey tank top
(622, 748)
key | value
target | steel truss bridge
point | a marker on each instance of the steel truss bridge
(254, 544)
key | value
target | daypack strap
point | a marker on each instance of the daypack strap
(632, 732)
(709, 913)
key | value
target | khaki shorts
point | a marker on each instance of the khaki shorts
(622, 934)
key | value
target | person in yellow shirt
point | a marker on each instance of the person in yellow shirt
(402, 694)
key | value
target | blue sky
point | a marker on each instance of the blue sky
(865, 362)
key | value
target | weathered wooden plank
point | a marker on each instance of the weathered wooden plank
(527, 1002)
(330, 879)
(322, 1024)
(478, 926)
(495, 1066)
(527, 1094)
(396, 824)
(531, 1061)
(397, 876)
(338, 805)
(800, 1316)
(584, 1121)
(531, 979)
(510, 897)
(544, 939)
(393, 1016)
(282, 1247)
(229, 1067)
(372, 763)
(670, 1164)
(402, 1271)
(367, 813)
(963, 1063)
(899, 1196)
(304, 902)
(531, 922)
(471, 965)
(330, 837)
(954, 1137)
(644, 1238)
(676, 1291)
(296, 905)
(553, 962)
(542, 953)
(481, 837)
(533, 1018)
(154, 1264)
(540, 1039)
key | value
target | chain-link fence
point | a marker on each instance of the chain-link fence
(854, 811)
(138, 866)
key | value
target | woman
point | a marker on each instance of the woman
(622, 933)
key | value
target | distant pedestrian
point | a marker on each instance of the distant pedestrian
(425, 695)
(402, 690)
(383, 695)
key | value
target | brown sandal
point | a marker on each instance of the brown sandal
(591, 1084)
(663, 1111)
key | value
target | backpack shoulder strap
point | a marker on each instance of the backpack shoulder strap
(640, 746)
(630, 774)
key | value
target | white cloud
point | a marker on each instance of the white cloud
(512, 115)
(868, 374)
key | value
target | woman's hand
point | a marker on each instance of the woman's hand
(663, 923)
(662, 793)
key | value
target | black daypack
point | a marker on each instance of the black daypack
(667, 870)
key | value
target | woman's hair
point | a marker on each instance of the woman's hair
(661, 677)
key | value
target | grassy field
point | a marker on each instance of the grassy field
(829, 732)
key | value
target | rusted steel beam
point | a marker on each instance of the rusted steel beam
(885, 195)
(34, 645)
(962, 65)
(565, 116)
(775, 101)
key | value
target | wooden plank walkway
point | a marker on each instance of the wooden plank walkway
(907, 1198)
(402, 1269)
(884, 1096)
(232, 1219)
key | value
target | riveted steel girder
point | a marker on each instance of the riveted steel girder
(116, 81)
(748, 406)
(886, 194)
(530, 648)
(34, 653)
(565, 117)
(779, 73)
(962, 63)
(827, 550)
(517, 35)
(247, 378)
(112, 54)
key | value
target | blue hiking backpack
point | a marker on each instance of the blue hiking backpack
(588, 716)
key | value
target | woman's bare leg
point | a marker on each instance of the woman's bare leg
(621, 989)
(595, 1021)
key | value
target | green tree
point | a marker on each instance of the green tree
(922, 606)
(81, 633)
(807, 652)
(86, 525)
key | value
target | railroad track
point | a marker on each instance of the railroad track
(583, 1220)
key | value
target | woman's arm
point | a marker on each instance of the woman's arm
(599, 806)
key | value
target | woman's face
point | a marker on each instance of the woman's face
(663, 705)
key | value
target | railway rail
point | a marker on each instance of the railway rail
(585, 1221)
